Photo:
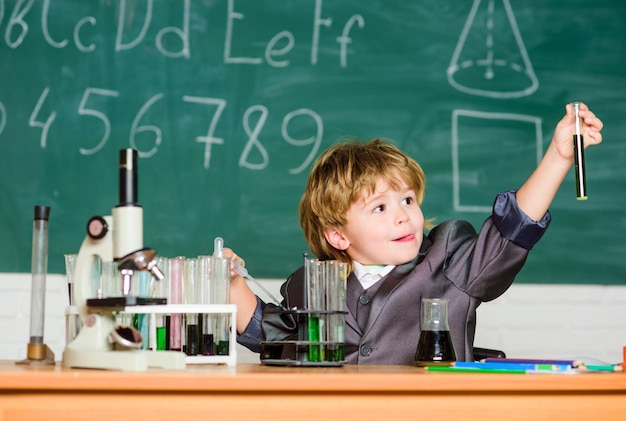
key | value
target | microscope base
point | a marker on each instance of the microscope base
(131, 360)
(92, 348)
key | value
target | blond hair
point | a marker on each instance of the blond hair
(340, 176)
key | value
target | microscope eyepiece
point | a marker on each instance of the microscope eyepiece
(128, 192)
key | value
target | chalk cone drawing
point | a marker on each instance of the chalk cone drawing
(490, 58)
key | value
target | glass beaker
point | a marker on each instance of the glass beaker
(435, 344)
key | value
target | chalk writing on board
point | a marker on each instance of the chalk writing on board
(131, 30)
(3, 117)
(275, 51)
(462, 127)
(252, 127)
(491, 69)
(271, 52)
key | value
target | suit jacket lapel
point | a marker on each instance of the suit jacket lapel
(392, 281)
(354, 291)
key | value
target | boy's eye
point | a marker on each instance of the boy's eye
(408, 200)
(379, 208)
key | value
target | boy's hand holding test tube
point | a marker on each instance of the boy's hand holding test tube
(244, 272)
(580, 127)
(246, 302)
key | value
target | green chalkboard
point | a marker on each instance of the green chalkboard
(229, 101)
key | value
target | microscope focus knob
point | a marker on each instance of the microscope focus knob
(97, 227)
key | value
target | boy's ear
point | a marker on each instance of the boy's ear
(336, 239)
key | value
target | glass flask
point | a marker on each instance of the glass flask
(435, 344)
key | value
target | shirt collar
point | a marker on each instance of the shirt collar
(371, 272)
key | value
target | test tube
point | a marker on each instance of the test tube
(96, 277)
(162, 290)
(191, 297)
(176, 297)
(39, 271)
(336, 304)
(72, 319)
(70, 265)
(109, 280)
(314, 290)
(205, 293)
(579, 156)
(220, 282)
(141, 288)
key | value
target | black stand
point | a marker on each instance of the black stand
(307, 350)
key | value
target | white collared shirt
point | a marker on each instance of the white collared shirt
(369, 275)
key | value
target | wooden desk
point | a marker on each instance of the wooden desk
(248, 392)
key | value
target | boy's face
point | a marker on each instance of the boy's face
(382, 228)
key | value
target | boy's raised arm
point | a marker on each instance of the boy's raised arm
(537, 193)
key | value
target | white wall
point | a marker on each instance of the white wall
(532, 321)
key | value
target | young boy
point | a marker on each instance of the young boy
(362, 206)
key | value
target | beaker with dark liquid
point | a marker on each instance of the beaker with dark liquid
(435, 345)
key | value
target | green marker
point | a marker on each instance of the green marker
(448, 369)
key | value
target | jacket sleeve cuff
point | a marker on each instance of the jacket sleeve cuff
(514, 224)
(253, 335)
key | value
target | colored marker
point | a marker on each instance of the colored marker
(512, 366)
(610, 367)
(579, 157)
(570, 363)
(449, 369)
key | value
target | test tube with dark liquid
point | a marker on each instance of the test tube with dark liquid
(579, 156)
(192, 324)
(205, 297)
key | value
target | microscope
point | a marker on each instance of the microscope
(101, 342)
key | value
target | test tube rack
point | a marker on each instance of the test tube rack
(168, 309)
(304, 351)
(230, 309)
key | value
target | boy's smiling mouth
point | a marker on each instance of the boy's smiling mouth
(405, 238)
